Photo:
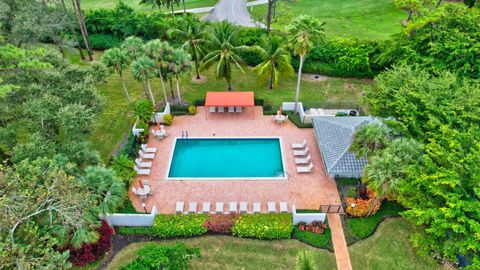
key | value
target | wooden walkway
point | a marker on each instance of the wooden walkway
(339, 244)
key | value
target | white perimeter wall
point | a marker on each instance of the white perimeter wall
(306, 217)
(131, 219)
(289, 106)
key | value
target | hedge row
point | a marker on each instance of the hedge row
(261, 226)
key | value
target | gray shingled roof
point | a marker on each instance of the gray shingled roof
(334, 136)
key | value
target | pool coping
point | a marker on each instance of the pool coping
(285, 176)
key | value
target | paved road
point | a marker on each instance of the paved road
(208, 9)
(234, 11)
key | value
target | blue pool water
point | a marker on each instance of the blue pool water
(220, 158)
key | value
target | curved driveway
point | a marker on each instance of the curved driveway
(234, 11)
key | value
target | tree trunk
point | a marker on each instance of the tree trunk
(83, 30)
(196, 67)
(184, 9)
(163, 87)
(179, 97)
(75, 38)
(151, 94)
(173, 12)
(229, 85)
(171, 88)
(439, 2)
(124, 86)
(297, 92)
(373, 206)
(61, 50)
(410, 13)
(145, 89)
(269, 15)
(271, 77)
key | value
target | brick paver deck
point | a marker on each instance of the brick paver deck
(304, 190)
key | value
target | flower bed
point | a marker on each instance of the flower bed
(362, 206)
(314, 227)
(89, 253)
(221, 224)
(264, 226)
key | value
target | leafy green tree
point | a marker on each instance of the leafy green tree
(106, 190)
(194, 34)
(117, 60)
(159, 50)
(305, 261)
(143, 109)
(410, 6)
(304, 32)
(223, 52)
(123, 167)
(276, 60)
(470, 3)
(35, 147)
(142, 70)
(369, 139)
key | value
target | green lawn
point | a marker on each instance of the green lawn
(116, 120)
(374, 19)
(388, 248)
(96, 4)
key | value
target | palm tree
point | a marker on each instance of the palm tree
(153, 3)
(223, 51)
(303, 33)
(77, 7)
(179, 65)
(369, 139)
(305, 261)
(158, 50)
(117, 60)
(194, 36)
(142, 70)
(133, 46)
(276, 60)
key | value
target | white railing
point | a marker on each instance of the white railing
(289, 106)
(159, 117)
(136, 131)
(306, 217)
(131, 219)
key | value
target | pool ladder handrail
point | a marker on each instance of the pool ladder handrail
(185, 135)
(284, 172)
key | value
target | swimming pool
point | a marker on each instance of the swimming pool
(226, 159)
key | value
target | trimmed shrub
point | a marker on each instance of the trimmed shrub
(166, 226)
(89, 253)
(155, 256)
(264, 226)
(168, 119)
(135, 230)
(192, 110)
(222, 224)
(323, 240)
(295, 118)
(199, 102)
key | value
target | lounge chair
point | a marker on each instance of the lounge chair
(141, 171)
(272, 208)
(192, 207)
(134, 190)
(231, 109)
(257, 207)
(238, 109)
(206, 208)
(219, 208)
(232, 207)
(212, 109)
(283, 207)
(143, 155)
(148, 149)
(300, 145)
(243, 207)
(300, 153)
(142, 164)
(303, 160)
(179, 207)
(221, 109)
(305, 169)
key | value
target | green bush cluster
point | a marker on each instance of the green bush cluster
(156, 256)
(264, 226)
(323, 240)
(101, 41)
(135, 230)
(166, 226)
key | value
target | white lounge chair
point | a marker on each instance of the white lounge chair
(192, 207)
(305, 169)
(238, 109)
(212, 109)
(257, 207)
(272, 208)
(141, 171)
(300, 153)
(134, 190)
(243, 207)
(142, 164)
(283, 207)
(303, 160)
(179, 207)
(221, 109)
(219, 208)
(300, 145)
(232, 207)
(143, 155)
(148, 149)
(206, 208)
(231, 109)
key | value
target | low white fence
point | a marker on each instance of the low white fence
(306, 217)
(136, 131)
(159, 117)
(289, 106)
(131, 219)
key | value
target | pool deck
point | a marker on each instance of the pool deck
(306, 191)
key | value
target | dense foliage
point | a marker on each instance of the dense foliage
(89, 253)
(166, 226)
(155, 256)
(264, 226)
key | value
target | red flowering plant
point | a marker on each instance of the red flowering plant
(314, 227)
(358, 207)
(220, 223)
(89, 253)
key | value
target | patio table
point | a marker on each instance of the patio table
(280, 118)
(143, 191)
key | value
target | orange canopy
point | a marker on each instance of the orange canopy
(244, 99)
